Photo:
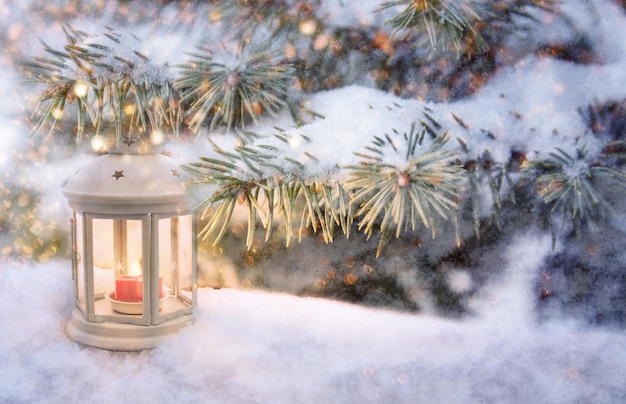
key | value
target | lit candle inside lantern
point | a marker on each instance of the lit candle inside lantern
(129, 288)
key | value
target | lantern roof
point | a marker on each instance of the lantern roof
(119, 183)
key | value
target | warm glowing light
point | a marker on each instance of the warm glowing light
(23, 200)
(214, 16)
(320, 42)
(129, 109)
(237, 228)
(15, 32)
(80, 89)
(383, 42)
(135, 268)
(156, 137)
(295, 141)
(308, 27)
(290, 51)
(217, 251)
(97, 143)
(350, 279)
(57, 113)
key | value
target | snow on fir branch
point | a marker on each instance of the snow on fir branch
(446, 22)
(400, 198)
(412, 187)
(232, 96)
(104, 75)
(573, 188)
(368, 158)
(95, 75)
(409, 166)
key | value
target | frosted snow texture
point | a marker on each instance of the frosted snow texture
(254, 346)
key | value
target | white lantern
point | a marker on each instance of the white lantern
(134, 251)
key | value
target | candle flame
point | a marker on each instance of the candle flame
(135, 268)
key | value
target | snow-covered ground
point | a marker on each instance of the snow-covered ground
(250, 346)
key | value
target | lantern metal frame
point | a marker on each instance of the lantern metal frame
(146, 189)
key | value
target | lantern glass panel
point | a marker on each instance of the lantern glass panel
(175, 261)
(118, 266)
(185, 258)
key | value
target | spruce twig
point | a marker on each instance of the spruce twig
(268, 183)
(395, 198)
(103, 76)
(233, 96)
(571, 186)
(445, 21)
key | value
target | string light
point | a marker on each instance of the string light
(308, 27)
(97, 143)
(81, 89)
(157, 137)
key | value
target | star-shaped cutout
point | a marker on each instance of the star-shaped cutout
(129, 141)
(175, 173)
(119, 268)
(118, 174)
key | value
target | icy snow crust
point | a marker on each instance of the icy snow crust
(252, 346)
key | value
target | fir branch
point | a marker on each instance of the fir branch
(486, 174)
(104, 79)
(233, 96)
(278, 17)
(396, 198)
(254, 174)
(575, 188)
(445, 21)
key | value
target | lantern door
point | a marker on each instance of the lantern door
(173, 258)
(117, 262)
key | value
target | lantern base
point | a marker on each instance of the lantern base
(123, 337)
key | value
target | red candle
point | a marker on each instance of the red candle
(130, 289)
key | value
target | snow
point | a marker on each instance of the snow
(249, 345)
(259, 346)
